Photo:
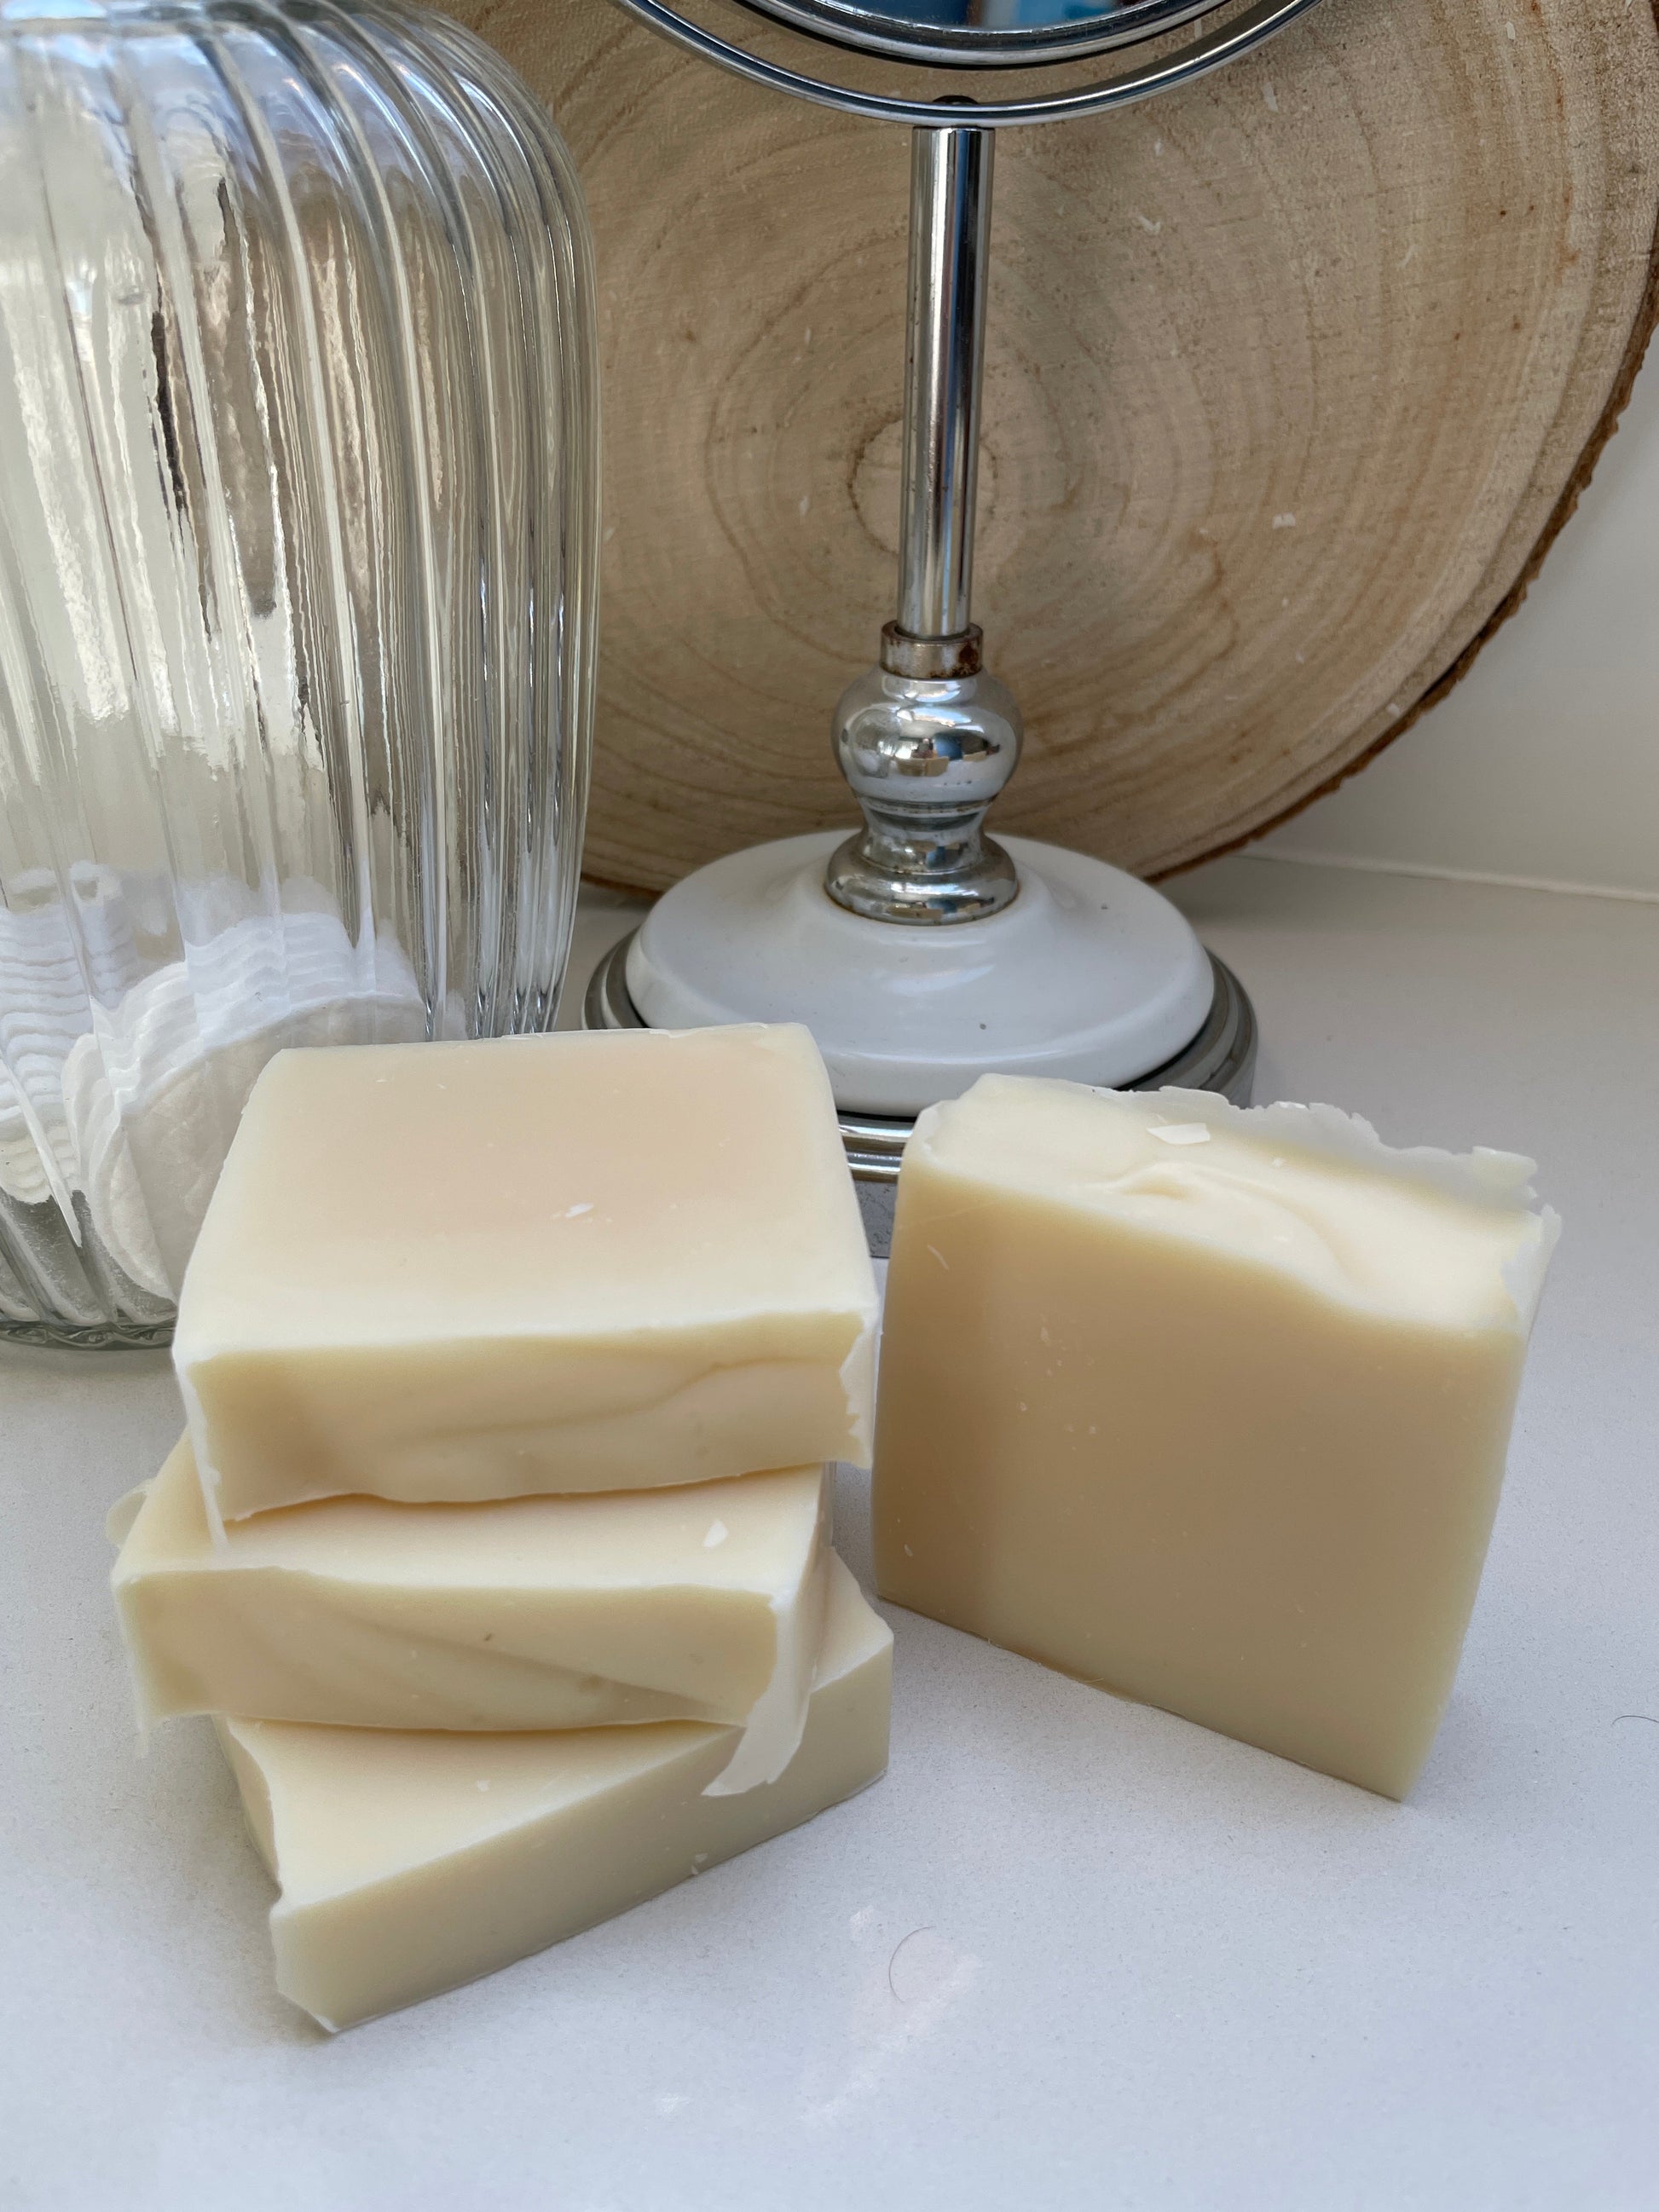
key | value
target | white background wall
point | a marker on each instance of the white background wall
(1543, 764)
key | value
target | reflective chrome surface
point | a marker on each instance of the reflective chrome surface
(951, 174)
(983, 34)
(1239, 33)
(927, 740)
(924, 760)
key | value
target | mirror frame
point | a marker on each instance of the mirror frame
(874, 28)
(1212, 49)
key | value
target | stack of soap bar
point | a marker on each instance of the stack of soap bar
(1207, 1406)
(511, 1372)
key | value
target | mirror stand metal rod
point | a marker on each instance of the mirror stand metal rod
(927, 739)
(951, 177)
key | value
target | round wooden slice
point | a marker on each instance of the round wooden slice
(1291, 378)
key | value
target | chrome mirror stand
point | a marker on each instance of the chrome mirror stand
(927, 739)
(921, 951)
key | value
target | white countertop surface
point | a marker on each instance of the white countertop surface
(1071, 1953)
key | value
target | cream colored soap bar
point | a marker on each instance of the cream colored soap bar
(1208, 1406)
(409, 1863)
(703, 1602)
(455, 1272)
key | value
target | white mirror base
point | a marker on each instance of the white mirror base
(1090, 973)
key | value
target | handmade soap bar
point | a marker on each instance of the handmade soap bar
(704, 1602)
(409, 1863)
(1207, 1407)
(453, 1272)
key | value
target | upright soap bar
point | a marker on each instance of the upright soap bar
(409, 1863)
(1209, 1406)
(455, 1272)
(703, 1602)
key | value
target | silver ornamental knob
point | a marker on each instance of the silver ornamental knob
(927, 741)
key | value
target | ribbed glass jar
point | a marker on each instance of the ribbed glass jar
(298, 550)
